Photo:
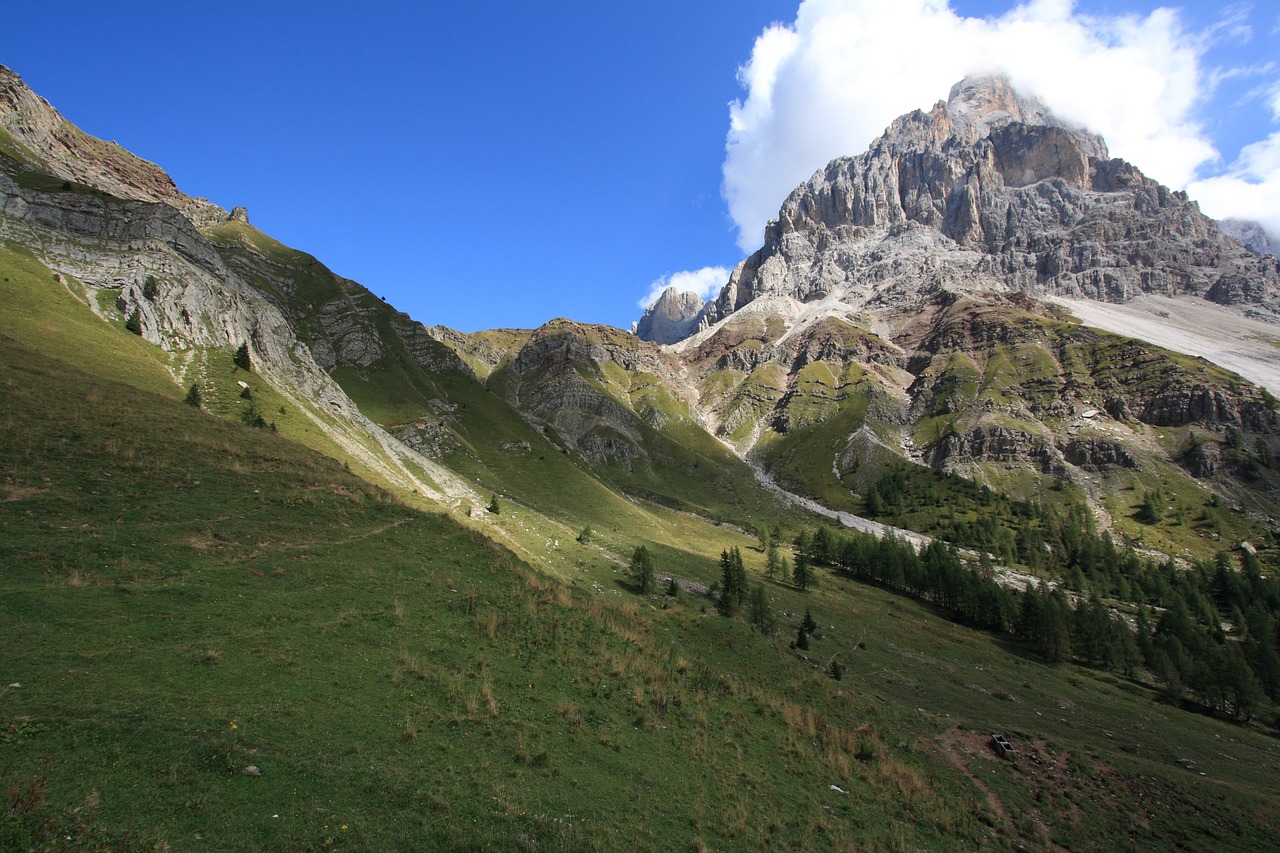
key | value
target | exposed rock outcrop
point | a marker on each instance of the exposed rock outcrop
(998, 444)
(990, 192)
(59, 148)
(672, 318)
(1252, 234)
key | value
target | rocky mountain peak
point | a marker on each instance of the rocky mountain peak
(989, 191)
(673, 317)
(979, 106)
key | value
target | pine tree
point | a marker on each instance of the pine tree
(802, 639)
(874, 504)
(493, 505)
(733, 582)
(642, 570)
(802, 574)
(761, 617)
(242, 357)
(772, 560)
(1153, 507)
(134, 322)
(193, 396)
(807, 623)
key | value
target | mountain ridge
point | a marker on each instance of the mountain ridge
(989, 191)
(1097, 518)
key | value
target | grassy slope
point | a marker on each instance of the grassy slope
(201, 602)
(183, 597)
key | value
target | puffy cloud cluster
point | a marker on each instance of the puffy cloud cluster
(1250, 189)
(829, 83)
(705, 282)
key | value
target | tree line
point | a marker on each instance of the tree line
(1168, 622)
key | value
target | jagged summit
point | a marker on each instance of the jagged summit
(990, 192)
(980, 105)
(673, 317)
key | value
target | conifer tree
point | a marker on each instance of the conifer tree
(642, 570)
(772, 560)
(242, 358)
(802, 574)
(807, 622)
(761, 617)
(733, 582)
(193, 395)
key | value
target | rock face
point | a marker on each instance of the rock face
(61, 149)
(672, 318)
(990, 192)
(142, 250)
(1252, 235)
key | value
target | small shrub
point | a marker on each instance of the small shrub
(151, 289)
(134, 322)
(252, 417)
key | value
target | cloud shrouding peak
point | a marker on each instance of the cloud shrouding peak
(705, 282)
(829, 83)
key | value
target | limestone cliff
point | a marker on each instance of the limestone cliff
(990, 192)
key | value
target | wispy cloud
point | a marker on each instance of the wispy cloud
(829, 83)
(705, 282)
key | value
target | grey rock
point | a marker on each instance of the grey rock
(989, 191)
(61, 149)
(1252, 234)
(1097, 454)
(672, 318)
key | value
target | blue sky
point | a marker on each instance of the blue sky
(503, 164)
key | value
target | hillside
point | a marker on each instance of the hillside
(286, 569)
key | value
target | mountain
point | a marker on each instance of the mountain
(673, 317)
(359, 581)
(1252, 235)
(906, 306)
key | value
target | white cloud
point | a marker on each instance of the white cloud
(1250, 188)
(705, 282)
(828, 84)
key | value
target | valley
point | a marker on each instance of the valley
(287, 569)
